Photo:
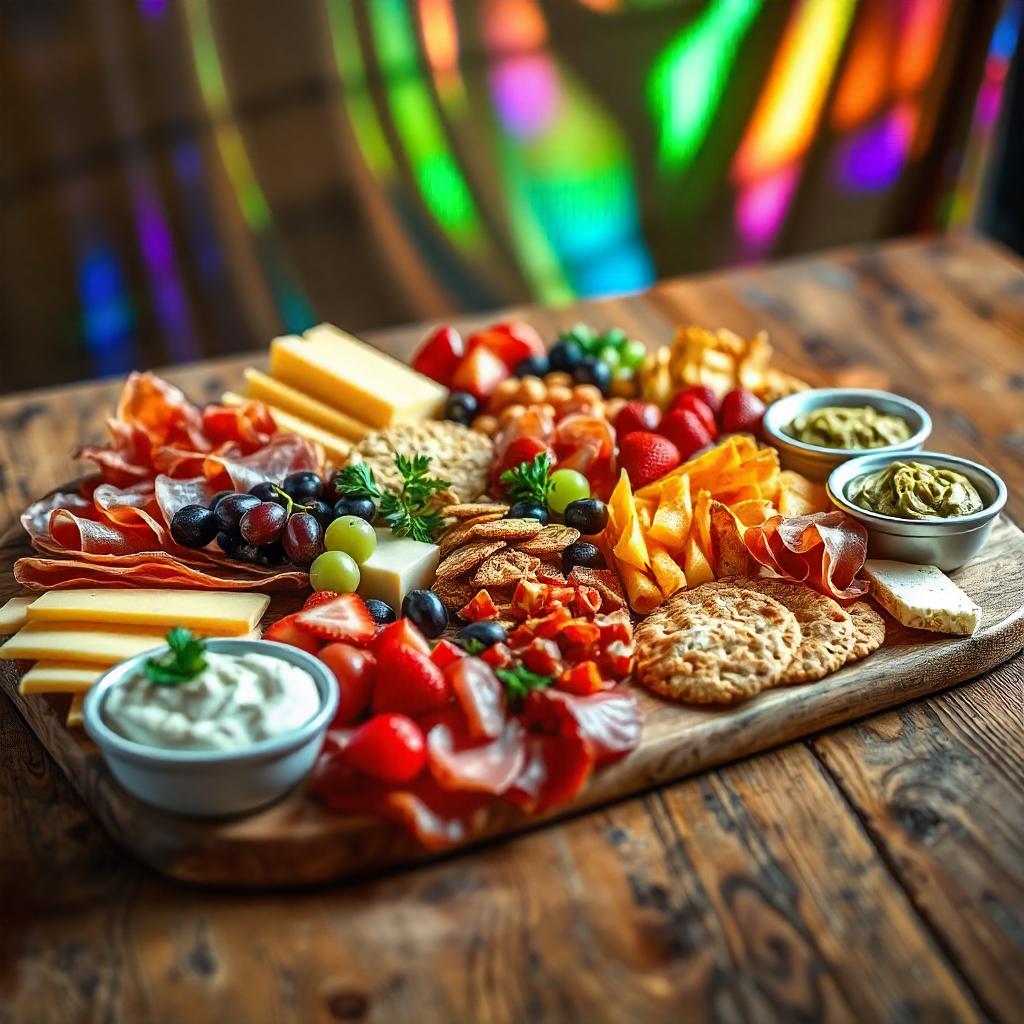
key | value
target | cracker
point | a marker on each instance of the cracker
(827, 632)
(465, 559)
(470, 510)
(868, 630)
(457, 454)
(606, 582)
(458, 534)
(715, 644)
(456, 594)
(505, 569)
(512, 530)
(549, 540)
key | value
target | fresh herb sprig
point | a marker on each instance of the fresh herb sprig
(529, 480)
(181, 664)
(357, 482)
(520, 681)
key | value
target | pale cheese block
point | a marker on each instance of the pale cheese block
(297, 403)
(87, 642)
(203, 611)
(13, 615)
(921, 597)
(350, 375)
(398, 565)
(59, 677)
(335, 447)
(76, 715)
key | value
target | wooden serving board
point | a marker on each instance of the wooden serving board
(297, 842)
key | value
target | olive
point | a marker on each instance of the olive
(584, 554)
(588, 515)
(487, 633)
(380, 611)
(461, 407)
(565, 355)
(533, 366)
(364, 508)
(526, 509)
(593, 370)
(427, 611)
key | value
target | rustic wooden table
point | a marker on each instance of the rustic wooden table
(874, 872)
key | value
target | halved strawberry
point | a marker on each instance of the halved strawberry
(409, 682)
(400, 635)
(617, 659)
(511, 342)
(287, 631)
(345, 618)
(479, 373)
(439, 355)
(497, 656)
(579, 633)
(320, 597)
(615, 626)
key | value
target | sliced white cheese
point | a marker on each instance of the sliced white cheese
(922, 597)
(14, 615)
(399, 564)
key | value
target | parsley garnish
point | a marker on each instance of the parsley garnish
(519, 681)
(408, 513)
(529, 480)
(182, 663)
(471, 645)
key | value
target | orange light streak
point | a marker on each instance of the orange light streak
(867, 75)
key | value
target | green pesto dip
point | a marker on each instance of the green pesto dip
(849, 427)
(914, 490)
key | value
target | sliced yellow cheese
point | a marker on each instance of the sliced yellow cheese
(12, 614)
(336, 447)
(59, 677)
(204, 611)
(288, 399)
(352, 376)
(76, 718)
(80, 642)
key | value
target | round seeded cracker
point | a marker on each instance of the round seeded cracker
(868, 630)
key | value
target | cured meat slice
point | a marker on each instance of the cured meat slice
(555, 770)
(487, 768)
(608, 723)
(480, 696)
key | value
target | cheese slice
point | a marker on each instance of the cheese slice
(398, 565)
(204, 611)
(76, 716)
(59, 677)
(336, 447)
(12, 615)
(81, 642)
(288, 399)
(349, 375)
(922, 597)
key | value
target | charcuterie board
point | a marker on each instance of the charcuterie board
(297, 842)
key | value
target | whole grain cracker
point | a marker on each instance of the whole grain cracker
(457, 454)
(465, 559)
(504, 569)
(470, 510)
(868, 630)
(511, 530)
(715, 644)
(458, 534)
(550, 540)
(456, 594)
(606, 582)
(827, 631)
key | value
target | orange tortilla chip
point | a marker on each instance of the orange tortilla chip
(672, 521)
(752, 512)
(695, 565)
(667, 573)
(701, 527)
(644, 595)
(730, 553)
(704, 467)
(799, 496)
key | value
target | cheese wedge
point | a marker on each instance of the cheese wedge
(347, 374)
(336, 447)
(289, 400)
(76, 717)
(12, 615)
(204, 611)
(59, 677)
(922, 597)
(397, 565)
(80, 642)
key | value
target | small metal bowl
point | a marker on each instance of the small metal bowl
(817, 462)
(213, 783)
(947, 543)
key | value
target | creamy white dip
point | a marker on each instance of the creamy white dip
(236, 701)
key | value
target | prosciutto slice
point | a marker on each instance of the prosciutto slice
(487, 768)
(555, 770)
(825, 551)
(608, 723)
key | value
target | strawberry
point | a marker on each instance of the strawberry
(647, 457)
(479, 608)
(686, 431)
(582, 679)
(637, 416)
(511, 342)
(446, 653)
(354, 669)
(345, 618)
(440, 355)
(320, 597)
(479, 373)
(701, 391)
(522, 449)
(409, 682)
(401, 634)
(286, 631)
(698, 407)
(741, 412)
(388, 747)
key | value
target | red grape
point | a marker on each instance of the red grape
(303, 538)
(264, 523)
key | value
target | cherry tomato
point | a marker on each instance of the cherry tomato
(354, 669)
(389, 747)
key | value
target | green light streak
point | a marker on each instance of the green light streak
(686, 82)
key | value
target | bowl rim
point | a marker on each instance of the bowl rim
(110, 741)
(779, 437)
(850, 470)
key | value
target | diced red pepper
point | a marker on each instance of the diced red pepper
(446, 653)
(440, 355)
(543, 657)
(522, 634)
(528, 597)
(551, 624)
(582, 679)
(614, 626)
(579, 633)
(481, 607)
(587, 601)
(497, 656)
(617, 659)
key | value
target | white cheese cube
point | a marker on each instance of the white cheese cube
(922, 597)
(399, 564)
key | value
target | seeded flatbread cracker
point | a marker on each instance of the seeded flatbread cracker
(550, 540)
(470, 510)
(465, 559)
(715, 644)
(456, 594)
(458, 534)
(606, 582)
(505, 569)
(827, 631)
(868, 630)
(511, 530)
(456, 453)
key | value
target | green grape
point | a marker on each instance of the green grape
(334, 570)
(632, 354)
(610, 356)
(615, 336)
(587, 338)
(565, 486)
(355, 536)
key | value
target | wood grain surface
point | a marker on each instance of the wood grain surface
(873, 872)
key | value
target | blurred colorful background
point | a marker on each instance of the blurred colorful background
(188, 178)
